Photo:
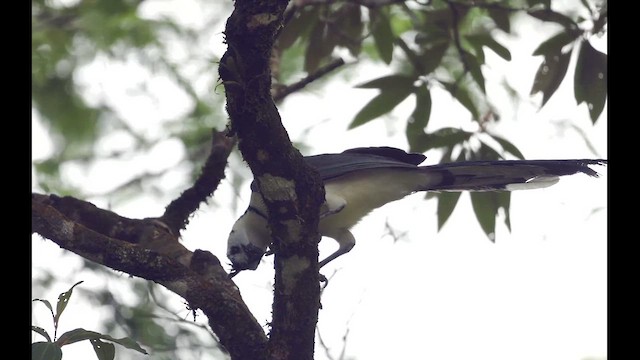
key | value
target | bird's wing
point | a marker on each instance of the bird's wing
(335, 165)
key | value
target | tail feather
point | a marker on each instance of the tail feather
(504, 175)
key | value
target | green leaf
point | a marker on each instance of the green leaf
(126, 342)
(419, 119)
(389, 82)
(433, 39)
(590, 82)
(489, 41)
(80, 334)
(379, 105)
(45, 351)
(41, 331)
(76, 335)
(445, 137)
(104, 351)
(550, 75)
(394, 89)
(298, 26)
(446, 203)
(501, 18)
(498, 48)
(47, 304)
(554, 44)
(319, 48)
(63, 300)
(348, 18)
(508, 146)
(436, 19)
(473, 64)
(504, 201)
(382, 33)
(485, 206)
(432, 56)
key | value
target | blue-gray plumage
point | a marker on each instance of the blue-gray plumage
(360, 180)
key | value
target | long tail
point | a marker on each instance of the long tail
(503, 174)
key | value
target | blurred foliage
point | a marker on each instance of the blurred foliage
(442, 44)
(436, 44)
(145, 312)
(425, 44)
(51, 348)
(68, 36)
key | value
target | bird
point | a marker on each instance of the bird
(359, 180)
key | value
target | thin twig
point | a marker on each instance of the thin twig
(324, 346)
(283, 92)
(177, 213)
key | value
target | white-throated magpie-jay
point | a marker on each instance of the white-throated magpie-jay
(360, 180)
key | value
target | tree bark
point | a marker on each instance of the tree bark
(150, 248)
(292, 190)
(145, 248)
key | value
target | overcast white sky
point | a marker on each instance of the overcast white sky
(538, 292)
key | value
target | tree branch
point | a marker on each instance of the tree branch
(281, 92)
(147, 250)
(292, 191)
(177, 213)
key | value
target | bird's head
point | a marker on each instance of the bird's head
(248, 241)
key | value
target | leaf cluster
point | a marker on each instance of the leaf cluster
(51, 349)
(442, 44)
(438, 44)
